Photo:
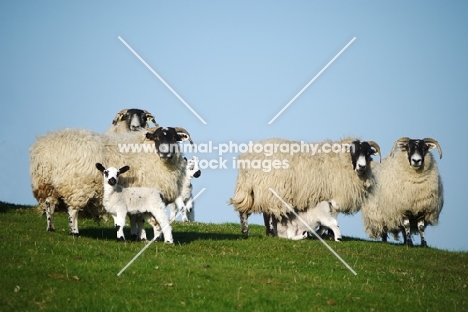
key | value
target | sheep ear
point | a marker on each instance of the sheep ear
(150, 135)
(100, 167)
(124, 169)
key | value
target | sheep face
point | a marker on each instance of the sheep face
(361, 153)
(165, 140)
(111, 174)
(135, 118)
(417, 149)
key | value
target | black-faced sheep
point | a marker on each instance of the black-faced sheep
(62, 166)
(133, 119)
(408, 193)
(120, 201)
(314, 172)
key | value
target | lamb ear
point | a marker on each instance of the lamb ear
(100, 167)
(124, 169)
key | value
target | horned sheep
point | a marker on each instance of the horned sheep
(133, 119)
(62, 167)
(120, 201)
(297, 226)
(409, 191)
(303, 178)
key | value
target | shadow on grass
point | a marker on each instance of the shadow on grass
(102, 233)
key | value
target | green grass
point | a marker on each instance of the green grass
(211, 267)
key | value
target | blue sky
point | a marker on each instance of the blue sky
(237, 64)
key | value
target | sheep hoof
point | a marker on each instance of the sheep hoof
(75, 234)
(409, 243)
(133, 237)
(423, 243)
(51, 230)
(121, 239)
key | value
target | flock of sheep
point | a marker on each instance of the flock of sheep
(77, 169)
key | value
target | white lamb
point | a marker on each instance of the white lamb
(120, 201)
(320, 216)
(185, 197)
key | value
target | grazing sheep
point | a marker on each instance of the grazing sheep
(408, 193)
(62, 167)
(303, 178)
(133, 119)
(120, 201)
(187, 214)
(320, 216)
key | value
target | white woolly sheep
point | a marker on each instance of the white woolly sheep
(408, 194)
(120, 201)
(340, 171)
(185, 197)
(62, 167)
(320, 216)
(133, 119)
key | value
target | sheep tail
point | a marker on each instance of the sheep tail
(243, 198)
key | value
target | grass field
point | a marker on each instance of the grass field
(211, 267)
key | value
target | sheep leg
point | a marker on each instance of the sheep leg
(133, 228)
(190, 211)
(161, 217)
(407, 226)
(50, 215)
(119, 221)
(421, 227)
(73, 221)
(244, 221)
(333, 226)
(269, 226)
(137, 223)
(173, 211)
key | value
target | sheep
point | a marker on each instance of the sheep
(188, 214)
(62, 167)
(408, 194)
(132, 119)
(320, 216)
(303, 178)
(120, 201)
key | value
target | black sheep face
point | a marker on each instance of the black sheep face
(361, 156)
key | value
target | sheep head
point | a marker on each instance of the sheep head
(135, 118)
(361, 155)
(111, 174)
(165, 140)
(416, 150)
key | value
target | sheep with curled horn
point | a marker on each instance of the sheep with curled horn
(62, 167)
(133, 119)
(303, 179)
(408, 194)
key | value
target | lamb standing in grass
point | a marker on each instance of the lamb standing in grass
(188, 214)
(120, 201)
(320, 216)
